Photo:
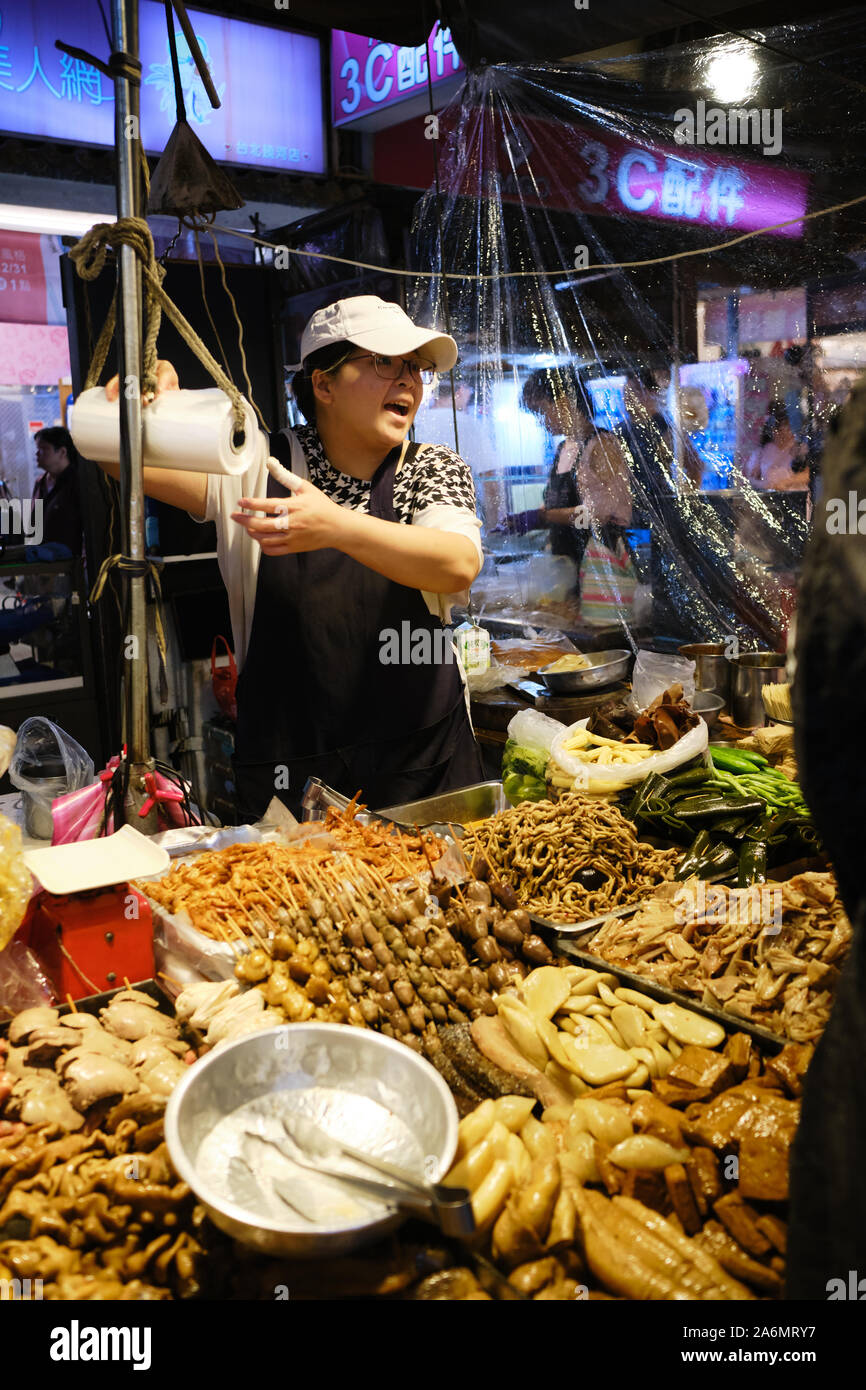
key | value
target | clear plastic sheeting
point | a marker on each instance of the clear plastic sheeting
(646, 438)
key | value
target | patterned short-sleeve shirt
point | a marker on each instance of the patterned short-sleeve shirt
(436, 477)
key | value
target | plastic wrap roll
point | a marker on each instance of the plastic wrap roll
(192, 430)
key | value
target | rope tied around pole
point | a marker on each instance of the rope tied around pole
(89, 256)
(138, 569)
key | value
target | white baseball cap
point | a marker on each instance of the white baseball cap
(378, 325)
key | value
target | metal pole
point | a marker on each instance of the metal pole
(676, 405)
(129, 336)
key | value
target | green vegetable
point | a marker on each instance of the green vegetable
(511, 784)
(731, 825)
(529, 762)
(694, 855)
(720, 859)
(520, 788)
(753, 864)
(533, 790)
(701, 807)
(695, 778)
(735, 760)
(654, 784)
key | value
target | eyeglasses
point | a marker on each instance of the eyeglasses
(391, 368)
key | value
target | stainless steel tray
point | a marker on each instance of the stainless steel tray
(465, 804)
(731, 1022)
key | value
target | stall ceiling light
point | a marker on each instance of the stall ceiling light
(732, 75)
(49, 221)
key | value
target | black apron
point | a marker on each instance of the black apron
(316, 700)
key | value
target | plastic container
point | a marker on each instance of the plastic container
(48, 779)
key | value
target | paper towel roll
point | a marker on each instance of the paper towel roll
(192, 430)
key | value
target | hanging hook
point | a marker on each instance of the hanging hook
(163, 259)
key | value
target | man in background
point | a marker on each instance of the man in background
(58, 491)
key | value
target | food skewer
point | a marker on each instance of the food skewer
(228, 940)
(170, 978)
(254, 931)
(426, 850)
(458, 844)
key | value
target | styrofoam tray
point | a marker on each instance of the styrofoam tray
(97, 863)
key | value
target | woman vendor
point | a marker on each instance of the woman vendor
(345, 535)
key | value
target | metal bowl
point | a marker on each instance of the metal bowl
(708, 706)
(604, 669)
(358, 1086)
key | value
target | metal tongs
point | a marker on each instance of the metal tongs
(450, 1208)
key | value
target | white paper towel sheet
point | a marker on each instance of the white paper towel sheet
(192, 430)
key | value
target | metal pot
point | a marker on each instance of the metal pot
(712, 667)
(708, 706)
(604, 668)
(751, 672)
(361, 1087)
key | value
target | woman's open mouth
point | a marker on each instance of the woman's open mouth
(398, 409)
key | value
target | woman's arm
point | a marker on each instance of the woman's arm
(175, 486)
(418, 556)
(421, 557)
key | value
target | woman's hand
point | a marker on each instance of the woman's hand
(166, 380)
(308, 520)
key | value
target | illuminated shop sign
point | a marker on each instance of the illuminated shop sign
(369, 77)
(585, 170)
(268, 80)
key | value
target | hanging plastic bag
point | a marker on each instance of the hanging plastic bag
(83, 814)
(655, 672)
(46, 764)
(224, 680)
